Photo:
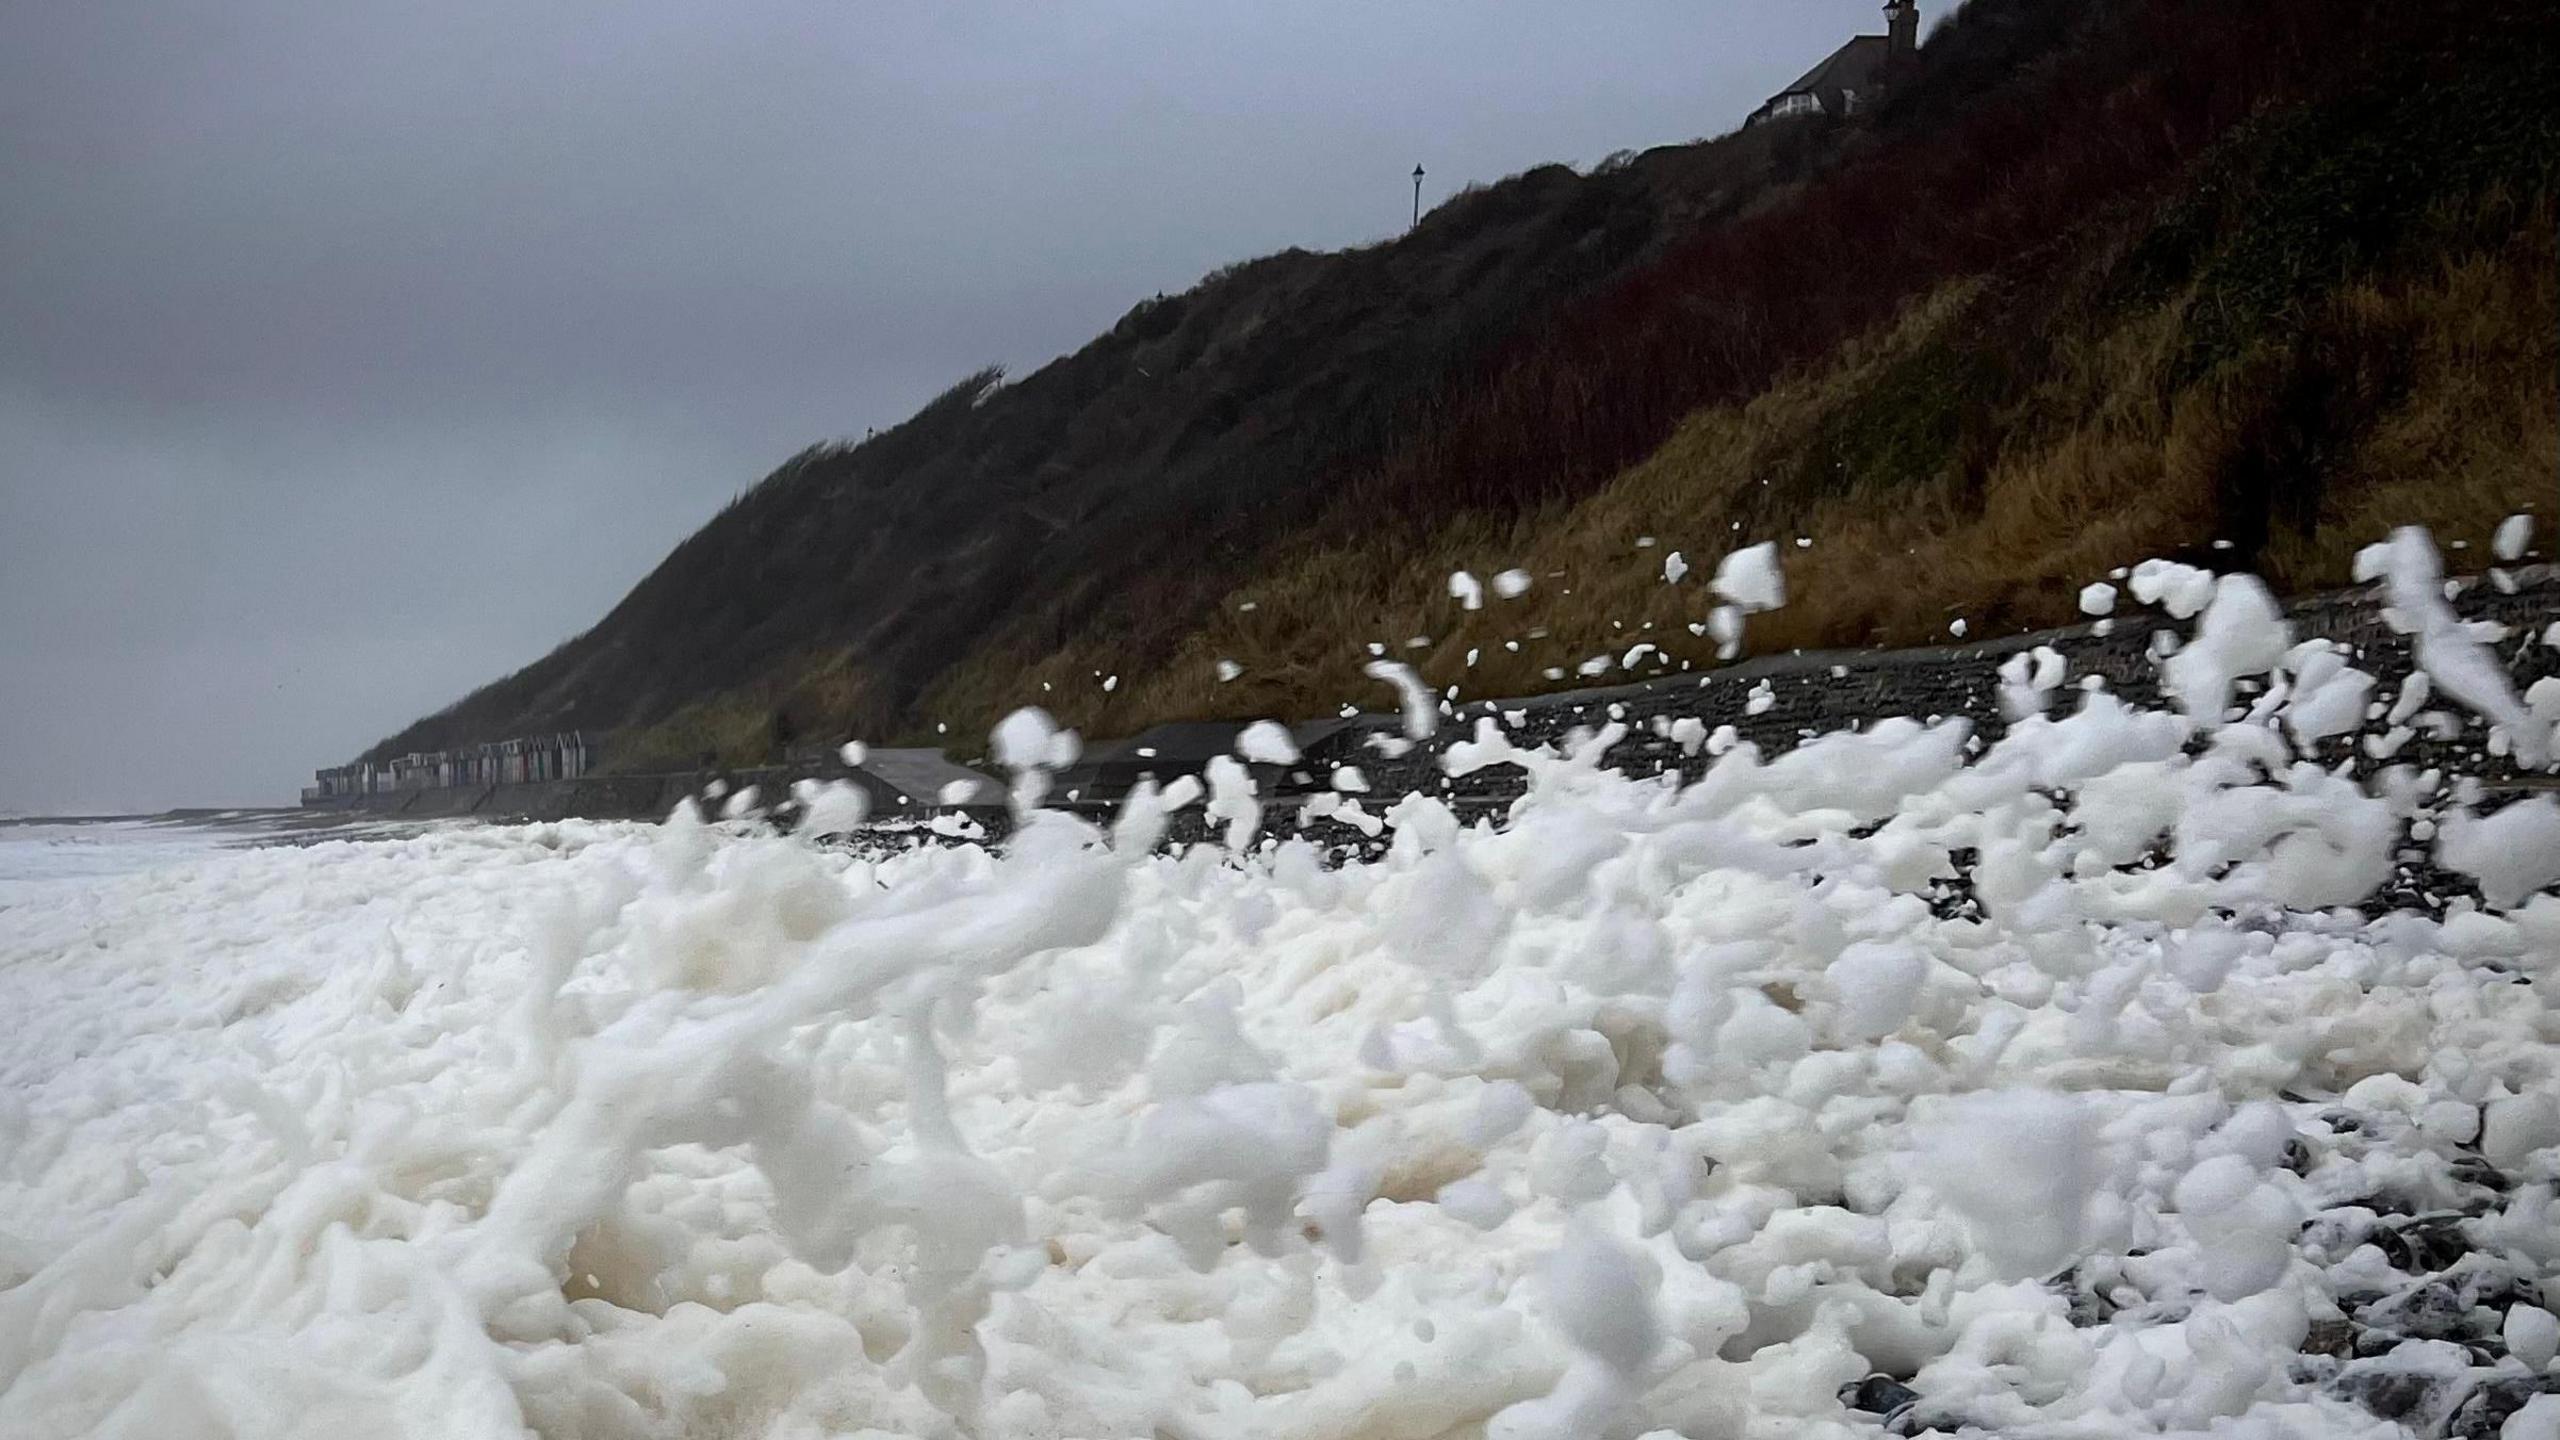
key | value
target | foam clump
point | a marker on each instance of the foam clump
(2512, 852)
(2084, 1081)
(2244, 1226)
(1600, 1295)
(2513, 538)
(2018, 1167)
(1420, 708)
(2243, 632)
(1267, 742)
(2182, 590)
(1750, 579)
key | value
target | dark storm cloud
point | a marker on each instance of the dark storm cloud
(352, 354)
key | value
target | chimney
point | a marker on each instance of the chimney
(1901, 28)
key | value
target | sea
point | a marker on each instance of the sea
(42, 855)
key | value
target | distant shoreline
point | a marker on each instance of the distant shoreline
(285, 824)
(180, 815)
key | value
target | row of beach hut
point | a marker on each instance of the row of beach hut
(564, 756)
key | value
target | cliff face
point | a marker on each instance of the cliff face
(2100, 278)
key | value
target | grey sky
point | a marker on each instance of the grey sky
(353, 354)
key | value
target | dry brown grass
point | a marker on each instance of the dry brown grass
(2478, 435)
(737, 727)
(2106, 462)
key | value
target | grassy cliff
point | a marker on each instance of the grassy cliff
(2101, 280)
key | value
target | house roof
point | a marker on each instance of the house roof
(1851, 67)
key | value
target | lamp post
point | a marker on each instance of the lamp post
(1417, 195)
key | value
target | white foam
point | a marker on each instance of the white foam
(1660, 1110)
(1421, 709)
(2448, 652)
(2182, 590)
(1267, 742)
(2243, 633)
(2532, 1335)
(2514, 537)
(1750, 578)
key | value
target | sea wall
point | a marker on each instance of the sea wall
(1777, 702)
(590, 797)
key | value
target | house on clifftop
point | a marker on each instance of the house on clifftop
(1853, 75)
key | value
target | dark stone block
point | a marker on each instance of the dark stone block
(1921, 1421)
(1879, 1395)
(2486, 1412)
(2392, 1394)
(2423, 1244)
(2433, 1311)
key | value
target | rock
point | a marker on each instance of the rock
(2486, 1412)
(2391, 1394)
(2472, 1170)
(1919, 1420)
(2420, 1383)
(2432, 1311)
(1879, 1395)
(2423, 1244)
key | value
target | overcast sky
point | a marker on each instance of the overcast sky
(353, 354)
